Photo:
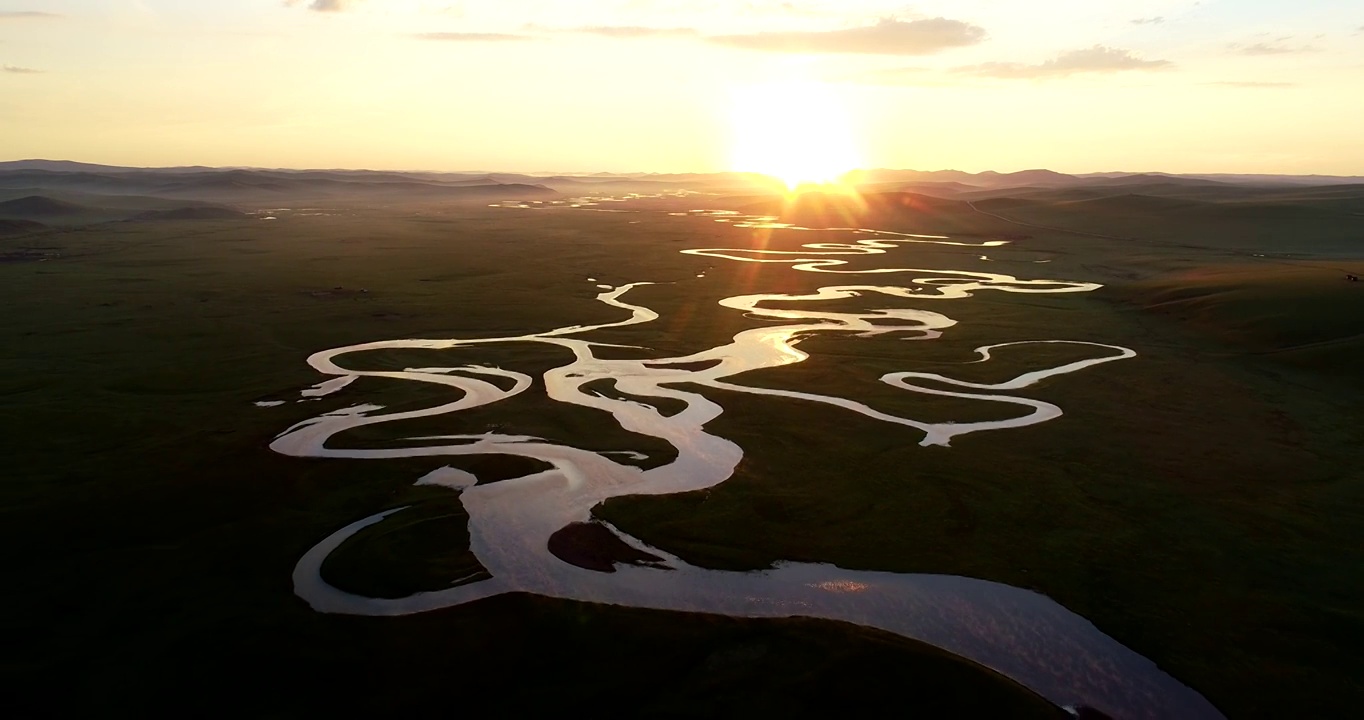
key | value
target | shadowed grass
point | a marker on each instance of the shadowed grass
(1202, 503)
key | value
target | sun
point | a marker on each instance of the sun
(797, 131)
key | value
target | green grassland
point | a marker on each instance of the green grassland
(1202, 503)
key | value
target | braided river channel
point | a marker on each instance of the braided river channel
(1019, 633)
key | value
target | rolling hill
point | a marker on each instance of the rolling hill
(191, 213)
(1304, 314)
(39, 207)
(1280, 227)
(176, 188)
(19, 227)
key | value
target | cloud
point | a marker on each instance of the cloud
(1097, 59)
(1252, 84)
(19, 70)
(324, 5)
(27, 15)
(631, 31)
(1276, 48)
(886, 37)
(1149, 21)
(471, 37)
(1262, 49)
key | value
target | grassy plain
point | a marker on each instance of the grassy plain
(1203, 503)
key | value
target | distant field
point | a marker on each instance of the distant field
(1304, 314)
(1289, 225)
(1203, 503)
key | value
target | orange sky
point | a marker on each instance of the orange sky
(640, 85)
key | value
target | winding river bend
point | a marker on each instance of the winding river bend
(1019, 633)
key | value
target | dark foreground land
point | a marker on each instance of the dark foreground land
(1203, 503)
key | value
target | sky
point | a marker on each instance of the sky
(1234, 86)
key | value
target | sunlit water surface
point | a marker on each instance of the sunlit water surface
(1022, 634)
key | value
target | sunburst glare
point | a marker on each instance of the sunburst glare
(797, 131)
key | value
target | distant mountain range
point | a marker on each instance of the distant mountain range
(1049, 178)
(988, 178)
(35, 194)
(62, 193)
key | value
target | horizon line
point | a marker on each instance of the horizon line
(586, 173)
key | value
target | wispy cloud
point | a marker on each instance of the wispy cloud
(472, 37)
(20, 70)
(1149, 21)
(1097, 59)
(1253, 84)
(887, 37)
(1276, 47)
(323, 5)
(627, 32)
(27, 15)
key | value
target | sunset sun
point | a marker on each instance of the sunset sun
(798, 132)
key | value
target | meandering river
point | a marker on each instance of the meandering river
(1020, 633)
